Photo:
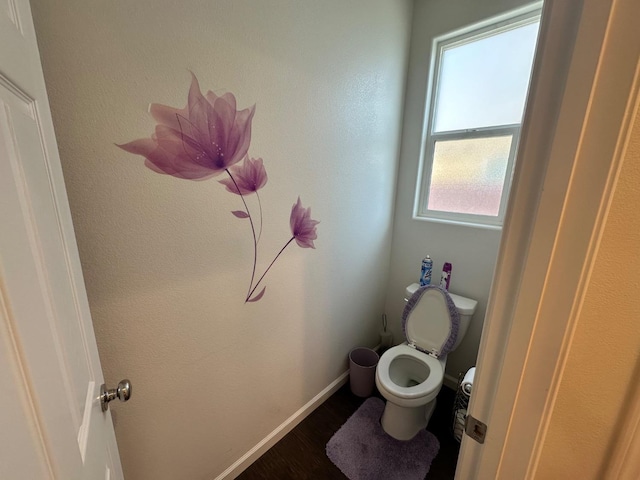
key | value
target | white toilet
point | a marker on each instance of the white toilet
(409, 376)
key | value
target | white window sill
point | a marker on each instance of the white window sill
(461, 223)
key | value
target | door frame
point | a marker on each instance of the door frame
(583, 96)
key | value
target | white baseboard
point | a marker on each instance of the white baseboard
(450, 381)
(289, 424)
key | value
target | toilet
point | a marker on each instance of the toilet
(409, 376)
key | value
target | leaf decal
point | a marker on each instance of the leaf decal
(259, 296)
(240, 214)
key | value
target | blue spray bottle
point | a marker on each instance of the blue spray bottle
(425, 272)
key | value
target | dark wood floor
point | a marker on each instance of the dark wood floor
(301, 454)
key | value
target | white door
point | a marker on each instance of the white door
(50, 416)
(583, 92)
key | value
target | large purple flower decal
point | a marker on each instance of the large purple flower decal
(303, 227)
(199, 141)
(210, 136)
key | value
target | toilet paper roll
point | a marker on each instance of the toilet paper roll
(386, 339)
(467, 381)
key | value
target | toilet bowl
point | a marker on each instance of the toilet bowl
(409, 376)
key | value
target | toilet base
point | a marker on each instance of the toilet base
(404, 423)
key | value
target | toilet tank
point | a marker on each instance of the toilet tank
(466, 308)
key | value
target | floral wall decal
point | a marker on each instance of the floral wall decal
(211, 137)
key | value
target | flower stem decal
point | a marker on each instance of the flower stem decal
(206, 138)
(303, 229)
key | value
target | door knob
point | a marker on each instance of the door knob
(123, 393)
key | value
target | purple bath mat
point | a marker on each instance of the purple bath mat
(362, 451)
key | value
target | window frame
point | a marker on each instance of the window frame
(440, 44)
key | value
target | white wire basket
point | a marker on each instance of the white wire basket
(459, 413)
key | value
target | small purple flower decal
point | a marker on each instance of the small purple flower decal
(244, 179)
(208, 137)
(250, 176)
(303, 227)
(199, 141)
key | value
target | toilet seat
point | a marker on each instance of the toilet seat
(430, 386)
(430, 321)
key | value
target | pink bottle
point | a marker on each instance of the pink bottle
(445, 279)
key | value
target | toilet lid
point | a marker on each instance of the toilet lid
(430, 321)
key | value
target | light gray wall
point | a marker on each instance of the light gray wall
(167, 266)
(472, 251)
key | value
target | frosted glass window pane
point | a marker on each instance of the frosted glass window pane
(484, 83)
(468, 175)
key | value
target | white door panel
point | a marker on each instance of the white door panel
(49, 353)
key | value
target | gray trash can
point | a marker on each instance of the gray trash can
(362, 371)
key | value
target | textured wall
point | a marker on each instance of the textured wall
(165, 263)
(604, 361)
(472, 251)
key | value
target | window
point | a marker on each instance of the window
(479, 82)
